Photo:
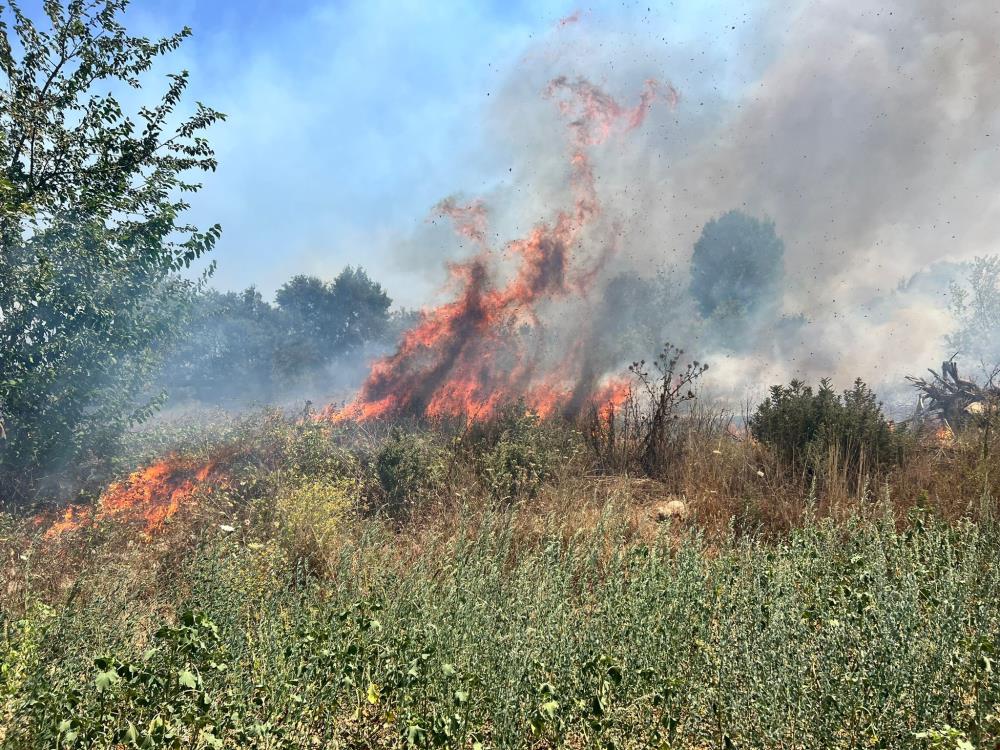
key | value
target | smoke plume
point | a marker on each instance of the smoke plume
(870, 137)
(868, 132)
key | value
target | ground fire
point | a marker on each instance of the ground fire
(487, 346)
(146, 498)
(468, 357)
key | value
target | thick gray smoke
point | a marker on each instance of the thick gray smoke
(869, 132)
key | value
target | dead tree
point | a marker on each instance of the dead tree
(954, 401)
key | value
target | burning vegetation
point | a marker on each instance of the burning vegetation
(146, 498)
(499, 541)
(489, 345)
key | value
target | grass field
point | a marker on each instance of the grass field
(489, 587)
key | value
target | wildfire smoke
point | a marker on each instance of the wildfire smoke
(488, 345)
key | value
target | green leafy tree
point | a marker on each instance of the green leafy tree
(91, 233)
(362, 307)
(332, 318)
(737, 271)
(240, 349)
(227, 354)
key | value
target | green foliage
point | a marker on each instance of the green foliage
(409, 468)
(228, 350)
(336, 317)
(170, 697)
(945, 738)
(20, 654)
(842, 636)
(91, 234)
(311, 513)
(975, 306)
(810, 429)
(238, 348)
(521, 454)
(737, 261)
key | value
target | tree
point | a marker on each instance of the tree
(239, 349)
(634, 315)
(805, 428)
(307, 307)
(737, 267)
(91, 235)
(362, 306)
(335, 317)
(976, 308)
(227, 353)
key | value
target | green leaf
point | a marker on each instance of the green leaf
(549, 709)
(415, 735)
(187, 679)
(105, 680)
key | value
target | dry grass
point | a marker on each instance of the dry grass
(729, 484)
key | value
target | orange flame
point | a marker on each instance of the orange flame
(147, 497)
(467, 357)
(610, 397)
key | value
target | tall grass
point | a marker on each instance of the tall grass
(522, 598)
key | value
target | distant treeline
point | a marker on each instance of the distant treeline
(240, 348)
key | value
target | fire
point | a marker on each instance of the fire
(487, 346)
(610, 397)
(147, 497)
(944, 435)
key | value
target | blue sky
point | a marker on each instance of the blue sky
(348, 121)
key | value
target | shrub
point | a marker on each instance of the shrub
(169, 697)
(20, 655)
(646, 432)
(806, 428)
(523, 455)
(311, 514)
(409, 467)
(848, 635)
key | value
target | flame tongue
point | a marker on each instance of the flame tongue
(147, 497)
(467, 357)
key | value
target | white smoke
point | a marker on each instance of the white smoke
(869, 132)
